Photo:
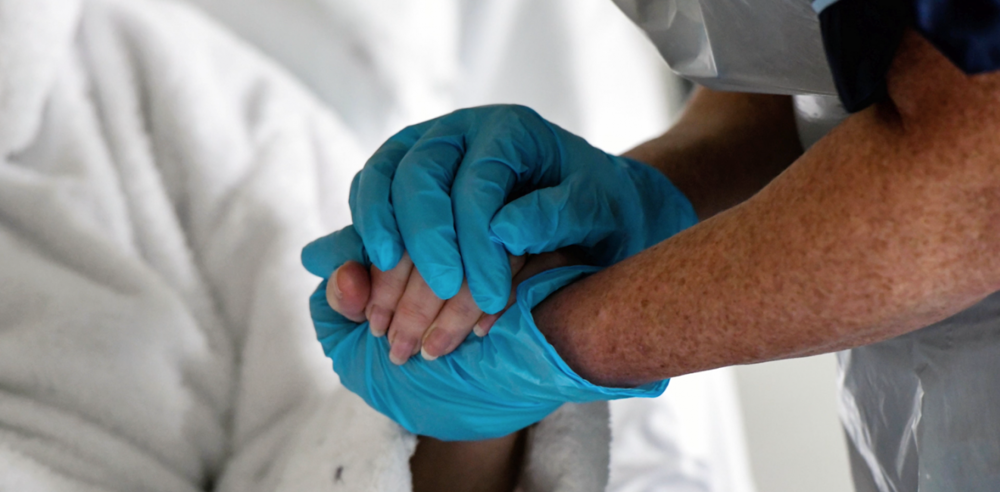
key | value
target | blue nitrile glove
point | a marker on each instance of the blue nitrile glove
(435, 190)
(488, 387)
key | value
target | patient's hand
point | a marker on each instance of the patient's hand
(400, 303)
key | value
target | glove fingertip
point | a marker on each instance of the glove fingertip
(492, 294)
(447, 283)
(387, 256)
(491, 303)
(324, 255)
(314, 261)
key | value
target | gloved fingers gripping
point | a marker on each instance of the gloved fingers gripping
(490, 171)
(551, 218)
(325, 255)
(370, 199)
(387, 290)
(421, 194)
(486, 321)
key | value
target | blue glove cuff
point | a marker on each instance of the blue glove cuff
(571, 385)
(646, 206)
(676, 212)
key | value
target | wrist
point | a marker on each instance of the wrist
(542, 301)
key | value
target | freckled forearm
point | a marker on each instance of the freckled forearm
(883, 227)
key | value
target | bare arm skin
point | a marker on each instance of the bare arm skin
(726, 147)
(886, 225)
(474, 466)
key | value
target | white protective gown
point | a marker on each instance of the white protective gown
(921, 411)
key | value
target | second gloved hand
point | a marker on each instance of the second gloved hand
(488, 387)
(440, 190)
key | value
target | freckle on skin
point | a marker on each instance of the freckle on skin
(879, 229)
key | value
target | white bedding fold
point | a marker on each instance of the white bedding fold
(159, 179)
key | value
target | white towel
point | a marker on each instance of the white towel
(158, 181)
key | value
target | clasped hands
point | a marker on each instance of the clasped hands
(445, 213)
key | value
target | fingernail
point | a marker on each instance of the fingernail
(336, 284)
(479, 330)
(435, 344)
(379, 320)
(401, 351)
(426, 356)
(486, 323)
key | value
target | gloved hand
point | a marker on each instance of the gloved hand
(439, 190)
(488, 387)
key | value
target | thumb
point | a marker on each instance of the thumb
(552, 218)
(331, 327)
(348, 291)
(326, 254)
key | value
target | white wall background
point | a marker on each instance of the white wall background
(792, 429)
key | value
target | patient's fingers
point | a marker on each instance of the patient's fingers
(456, 320)
(387, 289)
(348, 291)
(414, 313)
(452, 325)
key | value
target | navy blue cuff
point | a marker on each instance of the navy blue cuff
(966, 31)
(861, 38)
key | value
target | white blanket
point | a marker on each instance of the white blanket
(157, 183)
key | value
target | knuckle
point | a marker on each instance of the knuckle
(411, 313)
(402, 181)
(457, 332)
(523, 114)
(386, 295)
(390, 284)
(463, 309)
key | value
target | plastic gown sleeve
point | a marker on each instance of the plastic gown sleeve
(488, 387)
(442, 191)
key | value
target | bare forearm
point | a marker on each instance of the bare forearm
(883, 227)
(725, 147)
(476, 466)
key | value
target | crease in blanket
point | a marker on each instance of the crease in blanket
(158, 180)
